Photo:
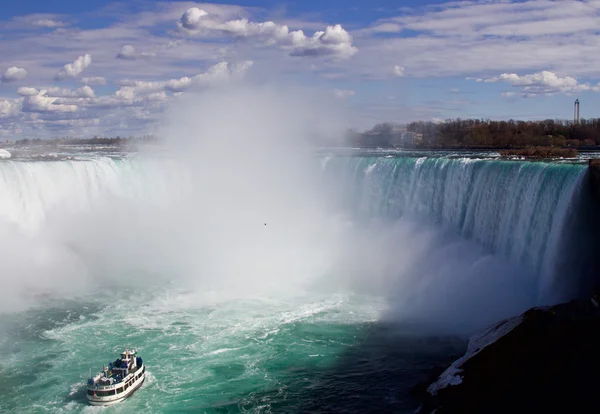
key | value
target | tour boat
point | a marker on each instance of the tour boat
(117, 381)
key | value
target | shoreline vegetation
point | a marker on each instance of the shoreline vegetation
(113, 141)
(530, 139)
(539, 152)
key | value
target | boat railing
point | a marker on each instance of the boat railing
(118, 378)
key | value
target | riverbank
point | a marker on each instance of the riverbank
(540, 152)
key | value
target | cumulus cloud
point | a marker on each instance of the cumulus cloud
(191, 18)
(343, 93)
(9, 108)
(94, 81)
(72, 70)
(55, 100)
(83, 92)
(398, 71)
(542, 83)
(14, 74)
(335, 41)
(128, 52)
(42, 103)
(26, 91)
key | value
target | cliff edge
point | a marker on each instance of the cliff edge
(545, 360)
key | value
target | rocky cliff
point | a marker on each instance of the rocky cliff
(545, 360)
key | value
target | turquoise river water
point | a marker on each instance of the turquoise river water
(335, 307)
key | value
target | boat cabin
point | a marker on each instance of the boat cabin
(117, 380)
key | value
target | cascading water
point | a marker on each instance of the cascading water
(32, 190)
(514, 208)
(250, 279)
(519, 212)
(206, 265)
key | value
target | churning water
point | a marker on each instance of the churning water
(245, 290)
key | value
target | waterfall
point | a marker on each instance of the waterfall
(516, 210)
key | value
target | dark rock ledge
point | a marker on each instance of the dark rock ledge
(543, 361)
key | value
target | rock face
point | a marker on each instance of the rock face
(546, 360)
(594, 169)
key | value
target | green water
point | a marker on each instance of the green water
(208, 354)
(293, 351)
(203, 353)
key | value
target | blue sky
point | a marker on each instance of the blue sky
(112, 68)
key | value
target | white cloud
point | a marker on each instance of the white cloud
(72, 70)
(500, 18)
(94, 81)
(42, 103)
(37, 20)
(221, 72)
(398, 71)
(9, 108)
(545, 82)
(334, 41)
(85, 92)
(48, 23)
(14, 74)
(384, 28)
(127, 111)
(55, 92)
(343, 93)
(26, 91)
(129, 52)
(139, 93)
(191, 18)
(475, 38)
(82, 92)
(54, 100)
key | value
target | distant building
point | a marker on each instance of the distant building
(576, 118)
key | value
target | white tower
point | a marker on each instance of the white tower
(576, 111)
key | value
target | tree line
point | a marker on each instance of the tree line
(87, 141)
(485, 133)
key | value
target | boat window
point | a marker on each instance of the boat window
(104, 393)
(90, 392)
(119, 390)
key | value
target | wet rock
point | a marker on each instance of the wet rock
(545, 360)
